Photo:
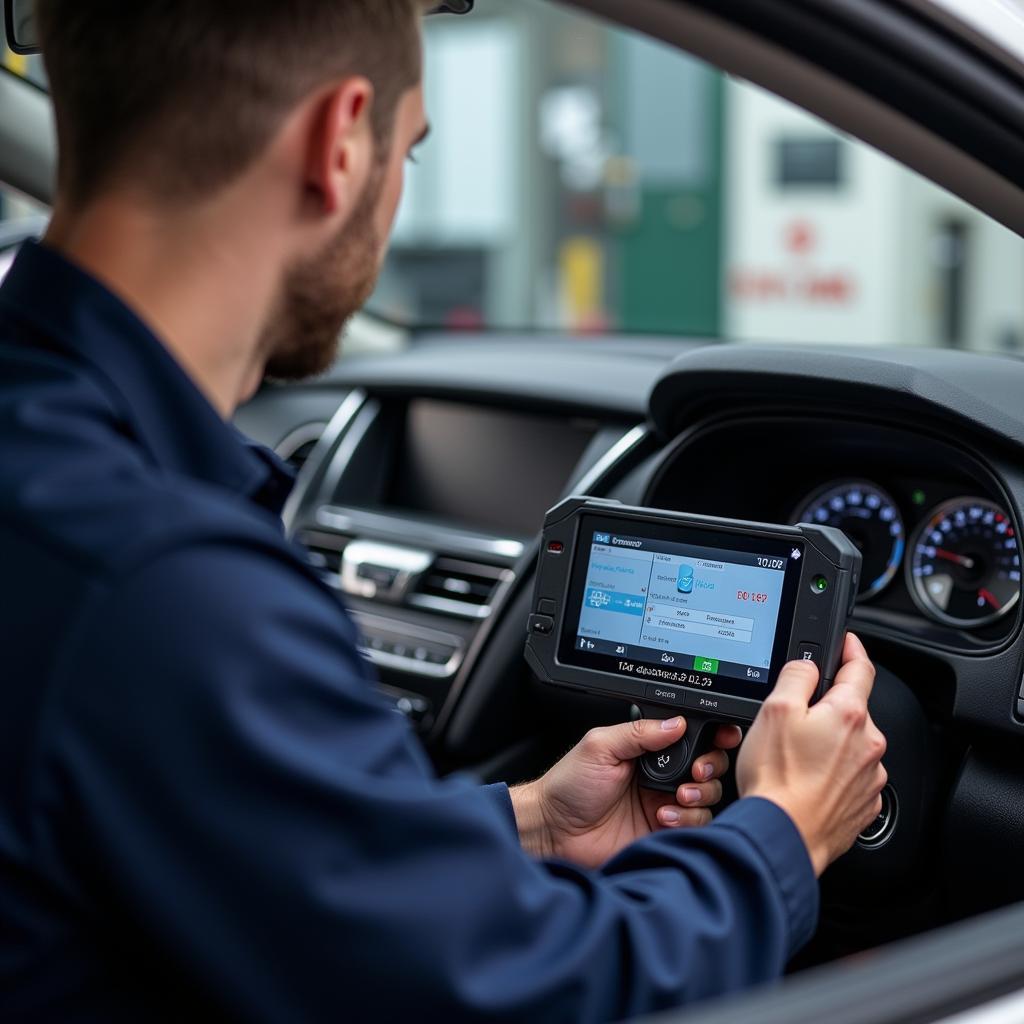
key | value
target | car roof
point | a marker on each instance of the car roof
(995, 25)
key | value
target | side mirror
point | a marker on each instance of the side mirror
(20, 25)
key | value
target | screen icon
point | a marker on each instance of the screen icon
(705, 665)
(685, 582)
(602, 538)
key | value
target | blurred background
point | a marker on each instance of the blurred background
(585, 179)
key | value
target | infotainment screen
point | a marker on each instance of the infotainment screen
(700, 609)
(485, 469)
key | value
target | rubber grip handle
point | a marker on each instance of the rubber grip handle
(667, 769)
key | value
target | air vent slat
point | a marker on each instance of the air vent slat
(324, 560)
(474, 591)
(324, 553)
(459, 587)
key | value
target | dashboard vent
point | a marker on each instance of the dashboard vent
(461, 588)
(324, 553)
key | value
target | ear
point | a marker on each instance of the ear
(341, 146)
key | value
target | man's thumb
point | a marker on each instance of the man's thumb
(630, 740)
(797, 681)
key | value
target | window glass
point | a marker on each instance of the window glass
(583, 178)
(20, 218)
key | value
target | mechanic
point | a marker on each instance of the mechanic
(206, 812)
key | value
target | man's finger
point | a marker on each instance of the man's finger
(671, 816)
(857, 676)
(728, 737)
(704, 794)
(631, 740)
(710, 766)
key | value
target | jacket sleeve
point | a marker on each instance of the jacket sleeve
(251, 806)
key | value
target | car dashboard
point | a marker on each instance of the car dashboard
(424, 478)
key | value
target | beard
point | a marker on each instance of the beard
(322, 293)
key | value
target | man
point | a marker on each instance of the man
(205, 810)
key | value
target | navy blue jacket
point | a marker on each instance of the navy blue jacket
(206, 812)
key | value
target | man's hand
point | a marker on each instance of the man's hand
(821, 764)
(589, 806)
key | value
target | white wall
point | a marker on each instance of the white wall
(877, 235)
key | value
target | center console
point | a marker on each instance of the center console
(419, 512)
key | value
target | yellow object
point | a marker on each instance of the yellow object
(582, 266)
(15, 62)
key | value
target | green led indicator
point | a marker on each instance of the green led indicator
(919, 497)
(820, 584)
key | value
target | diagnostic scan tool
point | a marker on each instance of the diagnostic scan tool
(685, 614)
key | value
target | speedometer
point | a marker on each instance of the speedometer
(964, 568)
(870, 518)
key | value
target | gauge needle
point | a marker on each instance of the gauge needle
(949, 556)
(989, 597)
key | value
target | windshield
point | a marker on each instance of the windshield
(586, 179)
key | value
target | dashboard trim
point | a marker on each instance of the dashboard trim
(447, 606)
(452, 540)
(312, 472)
(604, 465)
(293, 441)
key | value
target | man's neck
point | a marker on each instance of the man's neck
(194, 278)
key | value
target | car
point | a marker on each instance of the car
(745, 258)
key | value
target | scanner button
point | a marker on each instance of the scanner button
(666, 765)
(666, 694)
(714, 705)
(546, 607)
(542, 624)
(809, 652)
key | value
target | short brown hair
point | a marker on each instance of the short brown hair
(188, 93)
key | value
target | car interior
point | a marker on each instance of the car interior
(751, 260)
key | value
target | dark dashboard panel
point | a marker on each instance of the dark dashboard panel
(569, 376)
(957, 393)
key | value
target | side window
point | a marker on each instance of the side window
(20, 217)
(586, 179)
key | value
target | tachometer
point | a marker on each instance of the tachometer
(964, 565)
(870, 518)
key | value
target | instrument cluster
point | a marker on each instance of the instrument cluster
(960, 559)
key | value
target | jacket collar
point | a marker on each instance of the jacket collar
(165, 412)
